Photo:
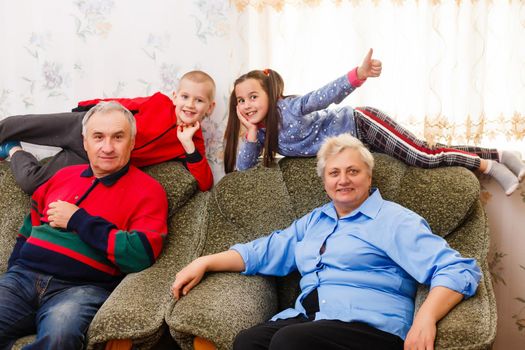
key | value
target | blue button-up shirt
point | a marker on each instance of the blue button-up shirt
(371, 264)
(305, 123)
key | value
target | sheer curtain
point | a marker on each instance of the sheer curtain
(453, 71)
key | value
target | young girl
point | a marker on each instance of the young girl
(295, 126)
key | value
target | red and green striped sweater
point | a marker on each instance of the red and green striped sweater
(120, 226)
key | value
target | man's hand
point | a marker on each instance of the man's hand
(370, 68)
(59, 213)
(185, 134)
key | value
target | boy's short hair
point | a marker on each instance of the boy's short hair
(198, 76)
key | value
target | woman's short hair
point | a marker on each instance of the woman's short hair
(106, 107)
(336, 144)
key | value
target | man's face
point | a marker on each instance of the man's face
(108, 142)
(193, 101)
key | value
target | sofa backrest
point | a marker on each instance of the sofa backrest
(249, 204)
(443, 196)
(14, 206)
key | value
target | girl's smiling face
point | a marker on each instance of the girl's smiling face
(252, 100)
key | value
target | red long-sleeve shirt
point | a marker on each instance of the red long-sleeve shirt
(157, 140)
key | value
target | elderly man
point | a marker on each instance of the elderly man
(89, 225)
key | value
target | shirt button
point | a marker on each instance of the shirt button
(323, 301)
(76, 197)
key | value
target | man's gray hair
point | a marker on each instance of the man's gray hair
(106, 107)
(336, 144)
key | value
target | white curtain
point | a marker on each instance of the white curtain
(454, 71)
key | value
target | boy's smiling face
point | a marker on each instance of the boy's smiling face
(193, 101)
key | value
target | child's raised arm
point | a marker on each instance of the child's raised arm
(370, 68)
(196, 161)
(337, 90)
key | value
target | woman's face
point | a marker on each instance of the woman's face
(346, 181)
(252, 100)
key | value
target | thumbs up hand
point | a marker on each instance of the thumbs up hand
(370, 67)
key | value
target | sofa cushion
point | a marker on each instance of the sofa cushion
(14, 205)
(246, 205)
(442, 196)
(178, 183)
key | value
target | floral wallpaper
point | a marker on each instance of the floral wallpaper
(507, 261)
(92, 18)
(86, 49)
(467, 91)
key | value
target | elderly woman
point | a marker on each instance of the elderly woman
(360, 258)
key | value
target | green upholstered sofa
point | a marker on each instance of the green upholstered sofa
(135, 309)
(246, 205)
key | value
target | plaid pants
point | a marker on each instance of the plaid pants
(382, 134)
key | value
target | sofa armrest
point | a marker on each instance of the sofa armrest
(134, 310)
(471, 325)
(220, 306)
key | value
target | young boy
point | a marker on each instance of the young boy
(166, 129)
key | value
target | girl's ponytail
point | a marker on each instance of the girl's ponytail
(231, 134)
(274, 87)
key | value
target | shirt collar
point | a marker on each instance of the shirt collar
(370, 207)
(110, 179)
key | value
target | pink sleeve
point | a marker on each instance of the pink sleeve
(353, 79)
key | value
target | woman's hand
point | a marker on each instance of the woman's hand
(188, 277)
(370, 68)
(252, 129)
(421, 335)
(440, 300)
(191, 275)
